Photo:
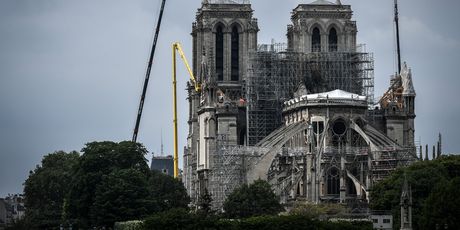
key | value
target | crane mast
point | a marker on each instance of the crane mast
(176, 47)
(147, 75)
(397, 36)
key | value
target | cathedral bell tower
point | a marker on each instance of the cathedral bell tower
(322, 26)
(224, 34)
(399, 109)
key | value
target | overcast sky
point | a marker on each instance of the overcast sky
(71, 71)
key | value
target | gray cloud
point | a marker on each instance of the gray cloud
(71, 71)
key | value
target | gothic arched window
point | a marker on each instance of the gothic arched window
(316, 40)
(235, 72)
(333, 181)
(220, 53)
(333, 40)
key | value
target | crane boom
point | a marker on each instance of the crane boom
(147, 75)
(397, 36)
(176, 47)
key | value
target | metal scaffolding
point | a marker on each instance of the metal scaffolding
(274, 74)
(386, 161)
(229, 166)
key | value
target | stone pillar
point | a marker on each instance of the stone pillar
(421, 153)
(343, 176)
(324, 41)
(227, 55)
(426, 152)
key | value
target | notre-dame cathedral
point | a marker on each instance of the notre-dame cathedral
(300, 115)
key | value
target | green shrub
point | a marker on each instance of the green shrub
(128, 225)
(179, 219)
(185, 220)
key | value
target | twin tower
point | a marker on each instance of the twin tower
(244, 86)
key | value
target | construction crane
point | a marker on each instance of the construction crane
(147, 75)
(394, 93)
(176, 47)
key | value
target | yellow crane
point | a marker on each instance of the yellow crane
(176, 47)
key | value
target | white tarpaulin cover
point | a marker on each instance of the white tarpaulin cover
(406, 76)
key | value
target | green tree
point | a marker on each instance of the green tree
(112, 183)
(253, 200)
(167, 192)
(442, 207)
(46, 188)
(122, 195)
(99, 165)
(109, 182)
(204, 203)
(423, 176)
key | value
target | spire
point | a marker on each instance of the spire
(338, 2)
(406, 206)
(439, 145)
(405, 188)
(162, 150)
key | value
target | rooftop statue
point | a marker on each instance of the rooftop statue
(406, 76)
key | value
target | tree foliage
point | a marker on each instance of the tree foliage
(122, 195)
(428, 180)
(46, 188)
(167, 192)
(204, 203)
(112, 182)
(109, 182)
(253, 200)
(96, 168)
(442, 207)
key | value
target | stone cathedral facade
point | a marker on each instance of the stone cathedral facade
(301, 117)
